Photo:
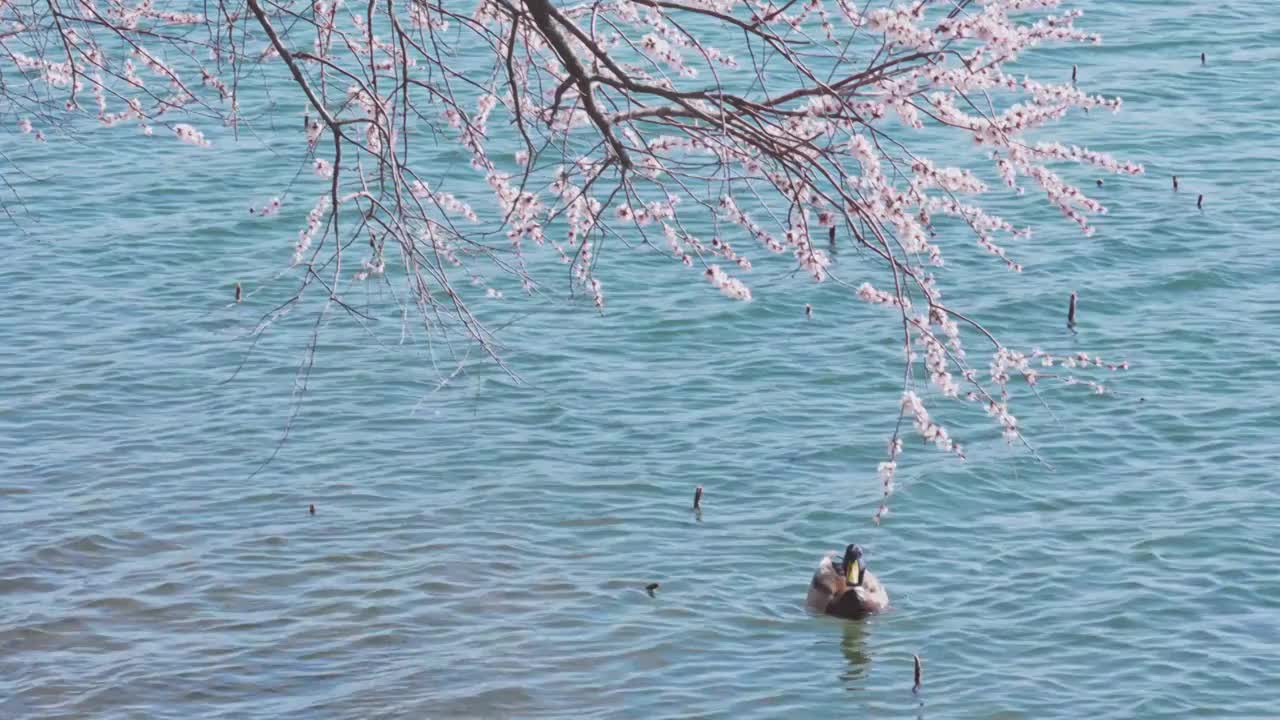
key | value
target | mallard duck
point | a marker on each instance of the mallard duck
(845, 588)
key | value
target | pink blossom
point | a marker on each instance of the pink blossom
(928, 429)
(314, 219)
(869, 294)
(597, 294)
(189, 135)
(271, 208)
(314, 129)
(730, 286)
(374, 267)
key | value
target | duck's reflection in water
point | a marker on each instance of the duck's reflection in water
(853, 646)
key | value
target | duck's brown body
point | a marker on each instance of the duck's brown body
(831, 593)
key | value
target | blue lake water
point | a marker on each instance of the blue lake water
(480, 548)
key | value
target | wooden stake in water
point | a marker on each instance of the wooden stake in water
(1175, 183)
(312, 509)
(237, 292)
(697, 498)
(1200, 203)
(1071, 312)
(1073, 74)
(919, 673)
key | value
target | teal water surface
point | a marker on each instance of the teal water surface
(480, 547)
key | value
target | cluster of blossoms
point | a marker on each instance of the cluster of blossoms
(935, 361)
(730, 210)
(928, 429)
(129, 17)
(647, 213)
(26, 128)
(448, 203)
(315, 219)
(657, 48)
(374, 267)
(1077, 360)
(271, 208)
(867, 293)
(189, 134)
(887, 472)
(731, 287)
(685, 246)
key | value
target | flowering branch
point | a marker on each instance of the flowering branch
(726, 133)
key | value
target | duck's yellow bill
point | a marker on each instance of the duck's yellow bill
(853, 571)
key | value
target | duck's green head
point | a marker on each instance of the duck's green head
(853, 566)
